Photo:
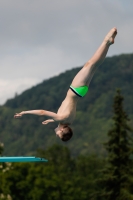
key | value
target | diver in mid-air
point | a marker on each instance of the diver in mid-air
(78, 88)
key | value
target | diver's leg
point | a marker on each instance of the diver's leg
(85, 75)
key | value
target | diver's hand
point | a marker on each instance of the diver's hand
(18, 115)
(47, 121)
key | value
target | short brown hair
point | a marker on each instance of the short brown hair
(67, 134)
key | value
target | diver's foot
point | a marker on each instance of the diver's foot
(109, 39)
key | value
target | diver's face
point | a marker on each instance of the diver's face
(59, 131)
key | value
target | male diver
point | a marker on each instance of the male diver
(78, 88)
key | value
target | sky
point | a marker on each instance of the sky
(43, 38)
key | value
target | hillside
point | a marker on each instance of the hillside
(94, 111)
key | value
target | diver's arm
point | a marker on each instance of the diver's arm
(47, 121)
(54, 116)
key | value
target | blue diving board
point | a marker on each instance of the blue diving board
(22, 159)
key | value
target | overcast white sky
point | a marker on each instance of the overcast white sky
(42, 38)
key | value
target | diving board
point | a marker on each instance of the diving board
(22, 159)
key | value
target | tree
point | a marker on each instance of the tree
(1, 149)
(61, 178)
(116, 181)
(3, 167)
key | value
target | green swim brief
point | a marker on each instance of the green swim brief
(80, 91)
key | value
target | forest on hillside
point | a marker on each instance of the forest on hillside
(83, 177)
(94, 111)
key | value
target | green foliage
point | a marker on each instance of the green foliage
(1, 148)
(3, 167)
(62, 178)
(24, 136)
(116, 181)
(65, 177)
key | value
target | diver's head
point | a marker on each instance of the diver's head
(64, 132)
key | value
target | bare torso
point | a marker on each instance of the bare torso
(68, 108)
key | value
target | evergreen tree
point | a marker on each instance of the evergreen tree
(116, 181)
